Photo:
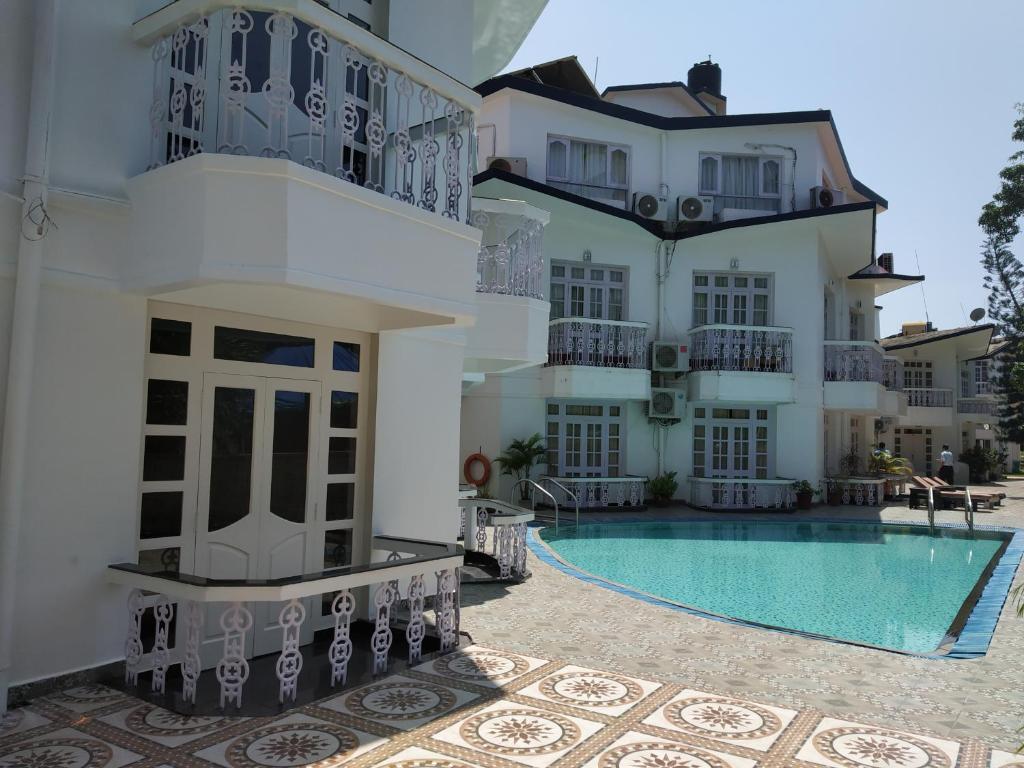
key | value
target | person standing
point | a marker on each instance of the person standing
(946, 467)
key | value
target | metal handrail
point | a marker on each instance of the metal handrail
(533, 501)
(931, 510)
(568, 493)
(968, 509)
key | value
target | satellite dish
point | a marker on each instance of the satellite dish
(977, 314)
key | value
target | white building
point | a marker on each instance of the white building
(950, 378)
(238, 278)
(742, 241)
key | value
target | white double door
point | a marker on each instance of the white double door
(259, 484)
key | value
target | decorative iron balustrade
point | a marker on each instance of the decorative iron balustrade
(762, 349)
(986, 406)
(741, 493)
(601, 491)
(600, 343)
(508, 541)
(892, 373)
(514, 265)
(859, 491)
(166, 590)
(929, 398)
(853, 361)
(263, 84)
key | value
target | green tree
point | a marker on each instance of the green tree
(1004, 279)
(518, 459)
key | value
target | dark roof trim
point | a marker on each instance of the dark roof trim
(994, 348)
(640, 117)
(906, 278)
(653, 227)
(660, 86)
(940, 336)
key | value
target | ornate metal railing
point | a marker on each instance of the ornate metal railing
(423, 560)
(929, 398)
(764, 349)
(741, 493)
(853, 361)
(514, 264)
(317, 90)
(892, 373)
(603, 343)
(508, 542)
(859, 491)
(986, 406)
(601, 491)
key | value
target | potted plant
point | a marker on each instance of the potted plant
(805, 493)
(518, 459)
(884, 464)
(663, 488)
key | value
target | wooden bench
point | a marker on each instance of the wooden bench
(950, 496)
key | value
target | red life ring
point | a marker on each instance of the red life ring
(467, 469)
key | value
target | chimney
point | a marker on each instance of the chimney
(705, 80)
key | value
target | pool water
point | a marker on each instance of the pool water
(884, 585)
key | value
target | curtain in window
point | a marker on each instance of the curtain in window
(556, 160)
(620, 171)
(588, 163)
(708, 175)
(739, 176)
(770, 182)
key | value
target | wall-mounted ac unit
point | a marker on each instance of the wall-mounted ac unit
(885, 262)
(516, 165)
(669, 357)
(700, 208)
(666, 403)
(824, 197)
(650, 206)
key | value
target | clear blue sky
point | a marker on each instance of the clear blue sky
(923, 95)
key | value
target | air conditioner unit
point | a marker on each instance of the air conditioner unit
(516, 165)
(666, 403)
(669, 357)
(650, 206)
(825, 197)
(696, 208)
(885, 262)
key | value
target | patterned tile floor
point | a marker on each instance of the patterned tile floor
(477, 707)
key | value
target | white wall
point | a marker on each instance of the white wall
(657, 101)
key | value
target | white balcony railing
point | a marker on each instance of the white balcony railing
(514, 264)
(314, 88)
(601, 491)
(853, 361)
(892, 373)
(928, 397)
(765, 349)
(741, 493)
(986, 406)
(600, 343)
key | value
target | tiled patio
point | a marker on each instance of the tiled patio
(477, 707)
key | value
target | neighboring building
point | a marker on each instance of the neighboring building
(238, 280)
(742, 241)
(950, 380)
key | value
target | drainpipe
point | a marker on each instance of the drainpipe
(23, 328)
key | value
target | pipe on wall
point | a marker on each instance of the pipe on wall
(21, 356)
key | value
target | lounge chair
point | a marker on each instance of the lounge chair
(950, 495)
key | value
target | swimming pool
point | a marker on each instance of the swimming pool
(891, 586)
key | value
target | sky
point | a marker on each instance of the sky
(922, 93)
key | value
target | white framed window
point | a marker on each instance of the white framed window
(982, 384)
(596, 170)
(730, 298)
(917, 374)
(751, 182)
(585, 439)
(599, 292)
(732, 443)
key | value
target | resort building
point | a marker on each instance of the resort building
(950, 378)
(713, 288)
(235, 313)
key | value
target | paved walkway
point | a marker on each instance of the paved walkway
(476, 707)
(556, 615)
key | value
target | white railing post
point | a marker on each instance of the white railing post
(163, 612)
(416, 629)
(382, 636)
(233, 669)
(289, 663)
(341, 648)
(133, 642)
(191, 665)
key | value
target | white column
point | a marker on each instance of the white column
(21, 357)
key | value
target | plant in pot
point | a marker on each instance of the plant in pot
(663, 488)
(886, 465)
(518, 460)
(805, 493)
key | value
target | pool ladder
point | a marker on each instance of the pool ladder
(968, 510)
(536, 486)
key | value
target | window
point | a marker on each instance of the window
(856, 326)
(981, 377)
(917, 374)
(732, 442)
(590, 169)
(262, 347)
(584, 439)
(750, 182)
(586, 291)
(727, 298)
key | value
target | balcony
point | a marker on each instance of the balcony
(597, 359)
(598, 492)
(735, 207)
(740, 363)
(511, 329)
(854, 378)
(978, 406)
(295, 148)
(741, 493)
(928, 407)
